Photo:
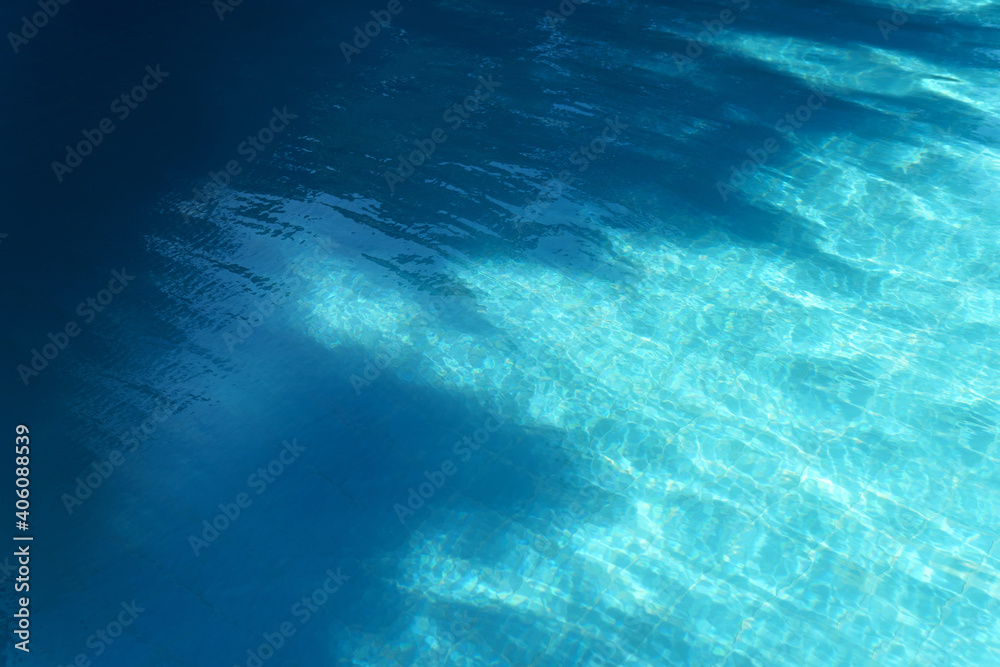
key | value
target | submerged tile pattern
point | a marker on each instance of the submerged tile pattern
(758, 433)
(775, 462)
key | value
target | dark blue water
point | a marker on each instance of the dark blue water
(506, 334)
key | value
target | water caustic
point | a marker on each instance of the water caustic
(752, 430)
(780, 457)
(783, 462)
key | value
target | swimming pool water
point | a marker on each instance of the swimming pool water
(625, 371)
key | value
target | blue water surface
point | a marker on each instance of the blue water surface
(598, 333)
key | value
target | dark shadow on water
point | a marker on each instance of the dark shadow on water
(335, 508)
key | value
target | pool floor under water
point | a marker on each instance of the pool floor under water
(672, 411)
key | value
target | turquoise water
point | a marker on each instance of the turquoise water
(573, 391)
